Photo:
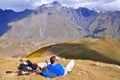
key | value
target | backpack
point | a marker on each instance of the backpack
(24, 67)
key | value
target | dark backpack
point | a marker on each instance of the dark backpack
(34, 66)
(24, 67)
(30, 64)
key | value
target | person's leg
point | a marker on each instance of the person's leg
(69, 67)
(42, 65)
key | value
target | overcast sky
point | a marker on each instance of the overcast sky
(20, 5)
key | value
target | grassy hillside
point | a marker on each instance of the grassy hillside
(105, 50)
(83, 70)
(109, 48)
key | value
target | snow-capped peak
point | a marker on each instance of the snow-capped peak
(95, 9)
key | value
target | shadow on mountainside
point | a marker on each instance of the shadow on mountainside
(74, 51)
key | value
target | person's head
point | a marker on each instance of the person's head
(53, 59)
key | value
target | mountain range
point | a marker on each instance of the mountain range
(58, 23)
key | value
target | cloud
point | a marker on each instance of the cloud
(102, 5)
(17, 5)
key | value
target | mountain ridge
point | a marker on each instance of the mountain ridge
(93, 23)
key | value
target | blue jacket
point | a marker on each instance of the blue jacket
(53, 71)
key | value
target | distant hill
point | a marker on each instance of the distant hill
(18, 48)
(104, 50)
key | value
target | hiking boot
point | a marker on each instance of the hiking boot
(20, 72)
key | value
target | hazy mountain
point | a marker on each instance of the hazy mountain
(59, 23)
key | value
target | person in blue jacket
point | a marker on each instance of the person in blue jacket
(54, 69)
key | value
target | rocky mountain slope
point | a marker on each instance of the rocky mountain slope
(47, 26)
(7, 16)
(49, 20)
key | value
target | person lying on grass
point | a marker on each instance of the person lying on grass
(51, 70)
(55, 69)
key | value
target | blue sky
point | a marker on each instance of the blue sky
(102, 5)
